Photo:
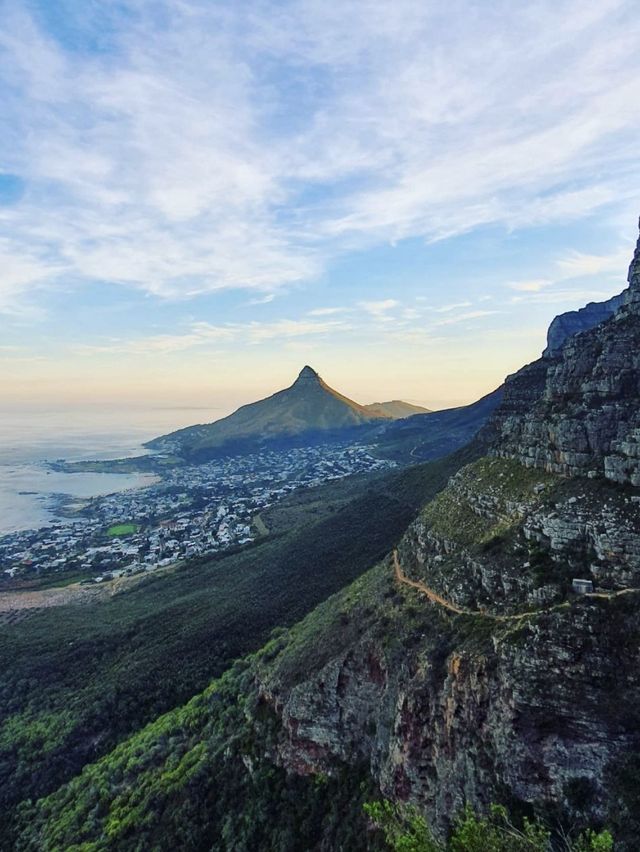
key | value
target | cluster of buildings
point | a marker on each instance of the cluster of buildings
(193, 510)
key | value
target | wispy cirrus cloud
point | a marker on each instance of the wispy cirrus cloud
(463, 317)
(204, 146)
(532, 286)
(573, 267)
(568, 299)
(20, 271)
(578, 264)
(380, 308)
(327, 312)
(444, 309)
(204, 334)
(262, 300)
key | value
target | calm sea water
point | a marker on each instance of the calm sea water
(30, 438)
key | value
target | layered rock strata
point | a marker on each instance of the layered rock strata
(577, 413)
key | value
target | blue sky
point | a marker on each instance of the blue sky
(197, 198)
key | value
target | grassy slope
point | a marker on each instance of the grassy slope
(183, 781)
(76, 681)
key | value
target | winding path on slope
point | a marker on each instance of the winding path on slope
(401, 577)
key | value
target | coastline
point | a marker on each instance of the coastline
(104, 449)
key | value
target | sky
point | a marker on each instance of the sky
(199, 198)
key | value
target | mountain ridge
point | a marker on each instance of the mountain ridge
(398, 409)
(566, 325)
(309, 405)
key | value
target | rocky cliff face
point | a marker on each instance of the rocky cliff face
(539, 712)
(577, 413)
(529, 695)
(633, 279)
(573, 322)
(506, 539)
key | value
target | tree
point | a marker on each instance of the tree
(404, 828)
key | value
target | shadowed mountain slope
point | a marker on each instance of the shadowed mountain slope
(430, 436)
(76, 681)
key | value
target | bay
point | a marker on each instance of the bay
(29, 438)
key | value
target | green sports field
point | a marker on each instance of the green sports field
(122, 529)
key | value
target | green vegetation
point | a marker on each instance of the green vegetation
(406, 830)
(120, 530)
(205, 775)
(76, 681)
(312, 504)
(505, 482)
(183, 783)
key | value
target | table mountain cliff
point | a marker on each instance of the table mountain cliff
(465, 670)
(566, 325)
(577, 412)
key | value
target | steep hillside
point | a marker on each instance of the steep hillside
(309, 406)
(77, 680)
(577, 413)
(429, 436)
(377, 691)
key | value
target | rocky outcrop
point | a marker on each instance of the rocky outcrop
(586, 419)
(570, 323)
(503, 539)
(448, 712)
(577, 413)
(469, 544)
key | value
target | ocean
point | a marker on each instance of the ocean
(30, 438)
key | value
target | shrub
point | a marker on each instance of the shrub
(406, 830)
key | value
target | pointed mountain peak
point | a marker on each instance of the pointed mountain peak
(308, 373)
(309, 405)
